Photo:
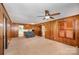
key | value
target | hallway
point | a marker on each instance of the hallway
(38, 46)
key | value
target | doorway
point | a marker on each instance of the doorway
(21, 31)
(5, 33)
(43, 30)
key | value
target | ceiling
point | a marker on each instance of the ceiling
(27, 12)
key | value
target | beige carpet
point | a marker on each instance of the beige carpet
(38, 46)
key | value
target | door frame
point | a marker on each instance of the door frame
(43, 30)
(5, 32)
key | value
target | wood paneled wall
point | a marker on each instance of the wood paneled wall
(4, 14)
(47, 30)
(54, 30)
(1, 30)
(9, 29)
(64, 30)
(37, 29)
(14, 30)
(77, 30)
(27, 26)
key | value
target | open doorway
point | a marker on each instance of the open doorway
(21, 31)
(43, 30)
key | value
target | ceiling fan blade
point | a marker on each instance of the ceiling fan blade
(44, 18)
(40, 16)
(46, 12)
(51, 17)
(54, 14)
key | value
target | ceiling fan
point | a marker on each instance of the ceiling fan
(48, 15)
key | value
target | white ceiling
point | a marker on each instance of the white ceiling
(28, 12)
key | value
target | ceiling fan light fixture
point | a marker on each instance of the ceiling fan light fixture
(47, 17)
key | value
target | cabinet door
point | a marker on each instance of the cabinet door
(70, 28)
(61, 29)
(69, 23)
(61, 25)
(62, 33)
(69, 34)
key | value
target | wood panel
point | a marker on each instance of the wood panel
(70, 28)
(55, 30)
(1, 31)
(9, 30)
(14, 30)
(27, 26)
(7, 25)
(61, 29)
(47, 30)
(37, 29)
(52, 30)
(77, 30)
(70, 31)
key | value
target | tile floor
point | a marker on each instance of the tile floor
(38, 46)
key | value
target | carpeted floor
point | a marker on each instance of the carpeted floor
(38, 46)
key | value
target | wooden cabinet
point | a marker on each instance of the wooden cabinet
(70, 27)
(61, 28)
(65, 30)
